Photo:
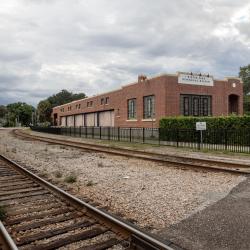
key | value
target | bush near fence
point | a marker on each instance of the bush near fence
(221, 122)
(220, 130)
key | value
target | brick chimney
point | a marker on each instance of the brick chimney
(142, 78)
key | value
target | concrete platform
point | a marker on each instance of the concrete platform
(222, 226)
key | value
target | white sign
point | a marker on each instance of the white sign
(195, 79)
(201, 125)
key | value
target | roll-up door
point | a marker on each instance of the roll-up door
(79, 120)
(90, 120)
(106, 119)
(70, 121)
(63, 121)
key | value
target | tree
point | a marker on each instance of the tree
(44, 107)
(245, 75)
(3, 111)
(19, 112)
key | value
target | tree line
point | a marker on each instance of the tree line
(44, 107)
(23, 114)
(16, 113)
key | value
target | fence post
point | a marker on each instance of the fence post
(177, 138)
(70, 131)
(159, 136)
(108, 133)
(143, 134)
(80, 131)
(226, 142)
(199, 139)
(86, 132)
(118, 133)
(92, 132)
(130, 139)
(100, 132)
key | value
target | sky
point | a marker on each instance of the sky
(95, 46)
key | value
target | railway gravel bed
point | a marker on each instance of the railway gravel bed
(150, 194)
(229, 157)
(37, 218)
(178, 160)
(41, 216)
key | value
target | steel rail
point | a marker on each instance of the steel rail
(131, 229)
(235, 168)
(8, 241)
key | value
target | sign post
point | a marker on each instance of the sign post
(200, 126)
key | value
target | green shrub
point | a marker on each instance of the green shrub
(221, 122)
(70, 179)
(233, 130)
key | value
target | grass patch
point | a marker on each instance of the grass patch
(2, 213)
(70, 179)
(58, 174)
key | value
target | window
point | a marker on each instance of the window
(148, 107)
(102, 101)
(69, 108)
(196, 105)
(90, 104)
(204, 106)
(186, 106)
(106, 100)
(132, 109)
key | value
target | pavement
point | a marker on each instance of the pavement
(224, 225)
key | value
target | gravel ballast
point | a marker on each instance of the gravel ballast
(153, 195)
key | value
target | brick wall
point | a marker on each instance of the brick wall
(167, 92)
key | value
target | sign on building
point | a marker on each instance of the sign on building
(201, 126)
(195, 79)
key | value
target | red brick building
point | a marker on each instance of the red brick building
(145, 102)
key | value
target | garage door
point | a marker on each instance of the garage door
(63, 121)
(70, 121)
(79, 120)
(106, 119)
(91, 119)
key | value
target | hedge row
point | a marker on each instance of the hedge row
(222, 122)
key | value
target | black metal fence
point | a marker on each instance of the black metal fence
(220, 139)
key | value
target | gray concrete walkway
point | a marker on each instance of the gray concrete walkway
(222, 226)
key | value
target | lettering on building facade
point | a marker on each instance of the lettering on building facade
(195, 79)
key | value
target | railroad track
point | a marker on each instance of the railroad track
(179, 161)
(38, 215)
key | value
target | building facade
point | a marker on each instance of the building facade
(145, 102)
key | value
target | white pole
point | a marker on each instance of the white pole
(201, 139)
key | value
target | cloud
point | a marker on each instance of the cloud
(98, 45)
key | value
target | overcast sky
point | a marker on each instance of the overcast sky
(94, 46)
